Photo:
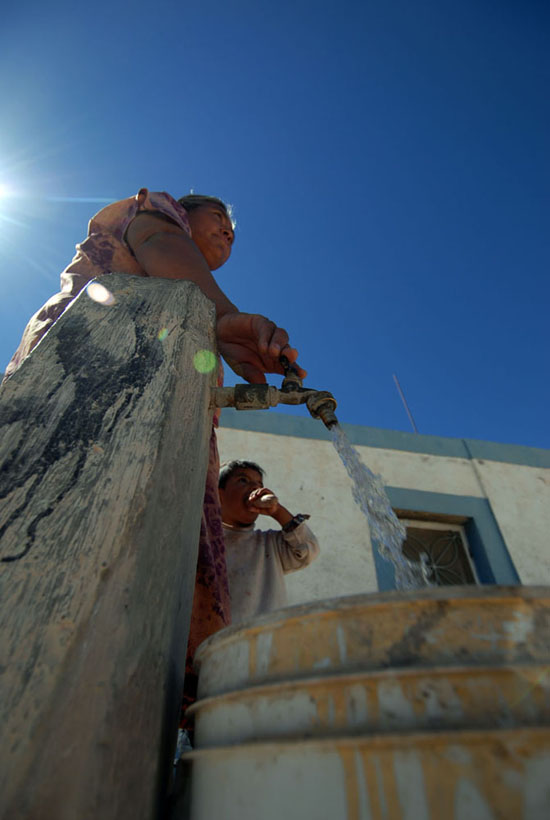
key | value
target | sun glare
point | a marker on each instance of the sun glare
(4, 191)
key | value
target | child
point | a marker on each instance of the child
(257, 560)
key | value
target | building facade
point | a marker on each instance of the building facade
(479, 511)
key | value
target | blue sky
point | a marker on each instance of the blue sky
(388, 162)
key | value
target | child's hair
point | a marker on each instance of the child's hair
(192, 201)
(230, 467)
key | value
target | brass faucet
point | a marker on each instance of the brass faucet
(320, 403)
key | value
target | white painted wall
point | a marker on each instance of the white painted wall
(309, 477)
(520, 500)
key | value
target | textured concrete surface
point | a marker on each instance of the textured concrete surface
(104, 434)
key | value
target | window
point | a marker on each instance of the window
(484, 547)
(445, 544)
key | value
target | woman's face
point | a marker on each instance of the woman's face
(212, 232)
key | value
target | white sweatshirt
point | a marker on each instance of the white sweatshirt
(258, 560)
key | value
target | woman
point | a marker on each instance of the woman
(152, 234)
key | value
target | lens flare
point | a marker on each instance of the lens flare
(204, 361)
(100, 294)
(163, 334)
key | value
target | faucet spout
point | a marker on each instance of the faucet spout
(320, 403)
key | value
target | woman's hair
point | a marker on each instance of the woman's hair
(192, 201)
(230, 467)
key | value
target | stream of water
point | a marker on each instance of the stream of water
(386, 531)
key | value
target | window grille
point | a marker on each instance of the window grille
(446, 547)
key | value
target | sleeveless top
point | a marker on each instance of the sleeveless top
(105, 250)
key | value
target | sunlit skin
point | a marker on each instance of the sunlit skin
(213, 234)
(250, 343)
(241, 490)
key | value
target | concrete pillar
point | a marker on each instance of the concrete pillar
(103, 449)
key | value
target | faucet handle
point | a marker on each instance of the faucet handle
(291, 380)
(283, 361)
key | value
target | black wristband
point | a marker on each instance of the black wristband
(295, 522)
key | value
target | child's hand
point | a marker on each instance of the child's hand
(263, 501)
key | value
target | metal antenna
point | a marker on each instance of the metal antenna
(405, 405)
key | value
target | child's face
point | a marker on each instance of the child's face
(234, 497)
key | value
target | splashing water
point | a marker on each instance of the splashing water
(387, 532)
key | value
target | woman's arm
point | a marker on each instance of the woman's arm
(250, 343)
(163, 249)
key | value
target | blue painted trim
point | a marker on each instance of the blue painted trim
(488, 549)
(280, 424)
(385, 575)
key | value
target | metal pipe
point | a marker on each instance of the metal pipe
(246, 397)
(320, 403)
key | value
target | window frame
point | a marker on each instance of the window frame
(487, 548)
(428, 523)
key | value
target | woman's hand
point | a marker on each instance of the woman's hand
(251, 345)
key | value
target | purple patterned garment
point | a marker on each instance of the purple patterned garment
(105, 250)
(211, 602)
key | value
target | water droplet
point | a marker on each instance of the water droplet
(163, 334)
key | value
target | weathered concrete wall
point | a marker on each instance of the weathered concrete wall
(308, 476)
(520, 499)
(104, 433)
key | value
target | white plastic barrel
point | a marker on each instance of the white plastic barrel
(395, 706)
